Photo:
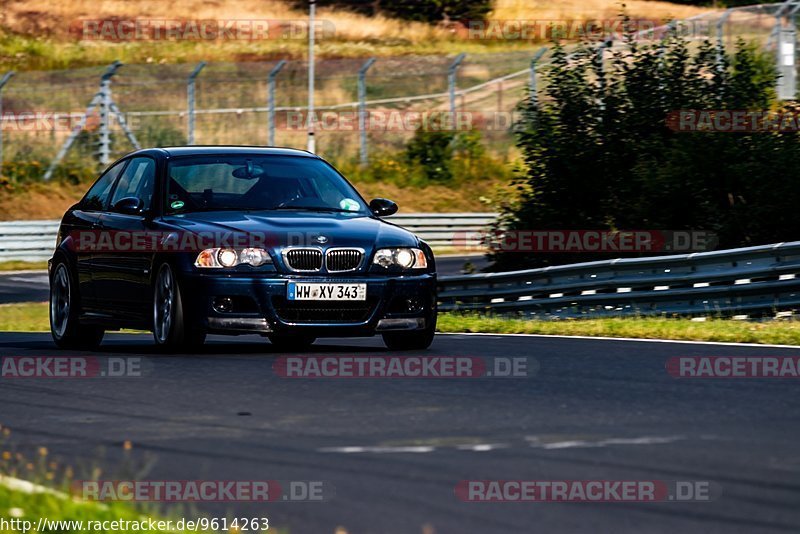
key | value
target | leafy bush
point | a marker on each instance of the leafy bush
(598, 153)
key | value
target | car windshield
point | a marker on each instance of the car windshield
(257, 182)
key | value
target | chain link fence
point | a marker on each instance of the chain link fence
(231, 99)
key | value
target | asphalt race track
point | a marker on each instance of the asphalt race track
(394, 449)
(24, 287)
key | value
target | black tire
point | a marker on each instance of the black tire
(291, 342)
(170, 329)
(65, 304)
(413, 340)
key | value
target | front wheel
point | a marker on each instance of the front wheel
(65, 326)
(170, 328)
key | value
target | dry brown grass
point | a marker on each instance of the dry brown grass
(53, 17)
(39, 201)
(590, 9)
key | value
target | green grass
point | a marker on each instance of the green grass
(23, 52)
(32, 317)
(15, 265)
(37, 486)
(32, 506)
(724, 330)
(24, 317)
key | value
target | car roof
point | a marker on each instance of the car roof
(218, 150)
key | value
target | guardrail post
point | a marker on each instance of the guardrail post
(271, 101)
(451, 81)
(362, 108)
(3, 81)
(191, 99)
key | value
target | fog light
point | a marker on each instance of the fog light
(223, 304)
(413, 305)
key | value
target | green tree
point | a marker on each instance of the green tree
(598, 154)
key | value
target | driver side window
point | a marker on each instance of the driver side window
(97, 197)
(138, 181)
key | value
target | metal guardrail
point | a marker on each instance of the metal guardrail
(747, 281)
(35, 240)
(27, 240)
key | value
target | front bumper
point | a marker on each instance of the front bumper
(259, 305)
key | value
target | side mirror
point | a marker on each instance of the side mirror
(129, 206)
(383, 207)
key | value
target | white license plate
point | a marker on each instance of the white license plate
(304, 291)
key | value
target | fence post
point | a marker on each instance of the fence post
(601, 49)
(103, 97)
(362, 108)
(311, 141)
(271, 101)
(785, 52)
(104, 152)
(190, 100)
(451, 81)
(721, 38)
(3, 81)
(532, 83)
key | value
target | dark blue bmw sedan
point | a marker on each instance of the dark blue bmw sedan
(190, 241)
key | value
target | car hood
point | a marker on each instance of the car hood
(282, 229)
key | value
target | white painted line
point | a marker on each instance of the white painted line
(482, 447)
(644, 340)
(10, 273)
(39, 279)
(378, 450)
(574, 444)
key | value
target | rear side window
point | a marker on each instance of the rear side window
(97, 197)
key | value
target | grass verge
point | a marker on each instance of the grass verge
(43, 34)
(16, 265)
(56, 507)
(24, 317)
(32, 317)
(778, 332)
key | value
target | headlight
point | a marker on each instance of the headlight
(218, 258)
(405, 258)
